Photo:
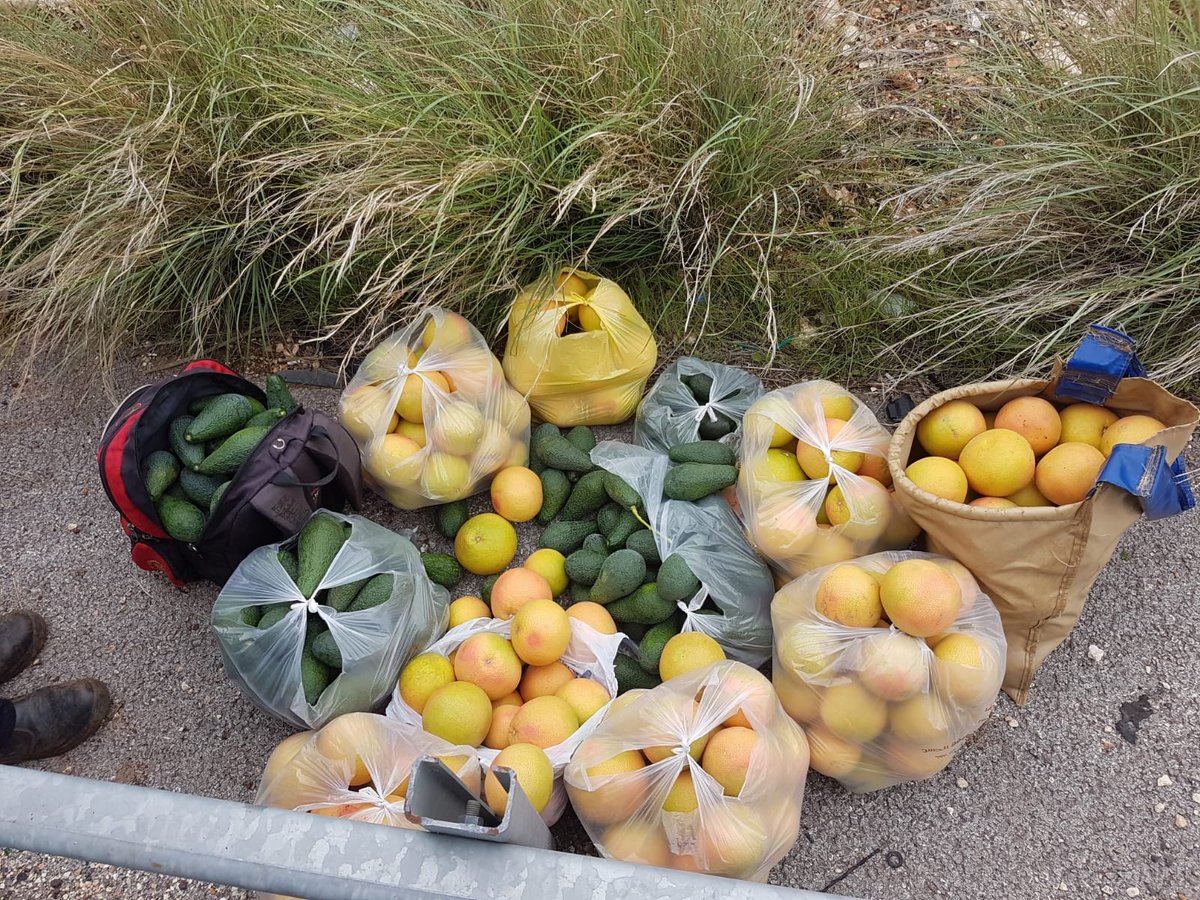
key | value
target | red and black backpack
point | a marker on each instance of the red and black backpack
(307, 462)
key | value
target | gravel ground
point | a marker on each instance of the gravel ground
(1069, 796)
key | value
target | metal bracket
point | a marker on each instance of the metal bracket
(439, 802)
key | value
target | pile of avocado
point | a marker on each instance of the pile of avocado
(208, 446)
(319, 542)
(598, 522)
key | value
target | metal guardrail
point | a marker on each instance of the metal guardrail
(316, 857)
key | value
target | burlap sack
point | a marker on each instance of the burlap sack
(1038, 563)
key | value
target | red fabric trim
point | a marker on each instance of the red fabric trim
(147, 558)
(208, 365)
(113, 456)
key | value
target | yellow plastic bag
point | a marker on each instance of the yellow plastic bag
(881, 705)
(432, 413)
(705, 825)
(579, 352)
(814, 486)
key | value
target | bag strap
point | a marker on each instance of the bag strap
(1101, 360)
(1144, 472)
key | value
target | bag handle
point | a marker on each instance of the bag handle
(1161, 487)
(1101, 360)
(287, 478)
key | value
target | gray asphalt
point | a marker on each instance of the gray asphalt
(1049, 800)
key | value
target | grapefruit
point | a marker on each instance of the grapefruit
(489, 662)
(1034, 419)
(516, 587)
(829, 754)
(544, 722)
(1129, 430)
(552, 566)
(532, 770)
(594, 615)
(876, 467)
(485, 544)
(446, 477)
(411, 404)
(517, 494)
(727, 757)
(921, 720)
(965, 671)
(422, 676)
(682, 796)
(849, 596)
(460, 713)
(457, 428)
(920, 597)
(870, 519)
(1029, 495)
(892, 666)
(617, 787)
(946, 430)
(497, 736)
(941, 477)
(1068, 472)
(540, 632)
(853, 714)
(993, 503)
(998, 462)
(780, 465)
(584, 696)
(813, 460)
(636, 841)
(544, 681)
(414, 431)
(687, 651)
(464, 609)
(1085, 423)
(366, 412)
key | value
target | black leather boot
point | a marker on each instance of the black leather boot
(56, 719)
(22, 635)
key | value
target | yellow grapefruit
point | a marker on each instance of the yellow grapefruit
(946, 430)
(485, 544)
(998, 462)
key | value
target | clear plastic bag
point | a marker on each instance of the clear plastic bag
(671, 414)
(581, 352)
(733, 605)
(357, 767)
(589, 654)
(880, 706)
(836, 504)
(619, 794)
(432, 413)
(375, 643)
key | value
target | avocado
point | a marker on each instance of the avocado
(250, 615)
(556, 489)
(326, 650)
(620, 574)
(580, 593)
(587, 497)
(189, 454)
(631, 675)
(559, 453)
(608, 517)
(198, 488)
(291, 565)
(716, 427)
(224, 415)
(643, 607)
(267, 416)
(376, 591)
(278, 394)
(676, 581)
(233, 451)
(159, 471)
(320, 540)
(449, 517)
(583, 566)
(620, 491)
(442, 569)
(595, 543)
(276, 612)
(642, 541)
(627, 524)
(700, 385)
(651, 648)
(581, 436)
(342, 595)
(539, 436)
(216, 497)
(567, 537)
(694, 481)
(710, 452)
(485, 589)
(315, 676)
(181, 518)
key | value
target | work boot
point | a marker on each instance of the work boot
(56, 719)
(22, 635)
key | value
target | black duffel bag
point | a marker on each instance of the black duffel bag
(307, 461)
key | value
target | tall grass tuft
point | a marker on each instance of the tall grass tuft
(210, 172)
(1073, 197)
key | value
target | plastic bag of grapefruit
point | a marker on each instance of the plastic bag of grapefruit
(695, 400)
(356, 767)
(589, 655)
(579, 350)
(704, 773)
(890, 663)
(814, 485)
(432, 413)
